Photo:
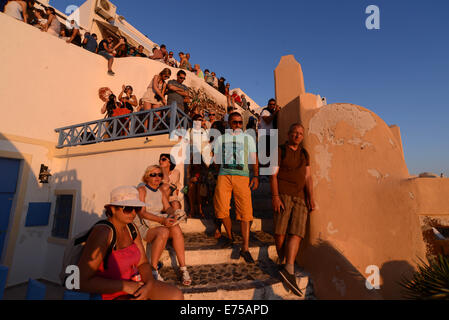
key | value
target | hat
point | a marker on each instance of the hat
(125, 196)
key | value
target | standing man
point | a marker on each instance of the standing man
(178, 92)
(234, 151)
(268, 121)
(292, 199)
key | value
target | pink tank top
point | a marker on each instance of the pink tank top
(121, 266)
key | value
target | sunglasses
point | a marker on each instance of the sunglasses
(182, 78)
(128, 209)
(237, 122)
(152, 175)
(212, 114)
(164, 159)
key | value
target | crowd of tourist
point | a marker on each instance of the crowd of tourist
(115, 47)
(155, 207)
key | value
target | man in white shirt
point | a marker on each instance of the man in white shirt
(268, 121)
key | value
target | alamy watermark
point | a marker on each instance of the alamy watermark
(373, 281)
(373, 20)
(231, 149)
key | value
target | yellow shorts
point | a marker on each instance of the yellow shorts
(239, 186)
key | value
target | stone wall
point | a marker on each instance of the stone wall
(368, 207)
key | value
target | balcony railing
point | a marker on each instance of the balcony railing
(137, 124)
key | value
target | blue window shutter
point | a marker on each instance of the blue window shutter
(38, 214)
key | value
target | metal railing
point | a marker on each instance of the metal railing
(162, 120)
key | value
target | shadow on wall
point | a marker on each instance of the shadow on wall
(392, 272)
(346, 282)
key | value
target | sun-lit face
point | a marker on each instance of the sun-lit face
(154, 177)
(164, 162)
(296, 135)
(125, 214)
(236, 123)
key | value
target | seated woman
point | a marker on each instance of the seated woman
(155, 226)
(128, 273)
(171, 181)
(53, 26)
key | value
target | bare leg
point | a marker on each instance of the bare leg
(292, 248)
(279, 239)
(178, 244)
(158, 238)
(163, 291)
(146, 106)
(227, 222)
(244, 227)
(110, 62)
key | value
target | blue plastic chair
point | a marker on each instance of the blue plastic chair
(35, 290)
(3, 276)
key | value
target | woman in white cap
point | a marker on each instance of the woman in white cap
(155, 226)
(128, 273)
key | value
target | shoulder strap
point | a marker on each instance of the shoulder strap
(283, 148)
(113, 242)
(133, 230)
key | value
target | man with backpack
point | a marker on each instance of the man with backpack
(292, 200)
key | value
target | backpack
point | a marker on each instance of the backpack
(283, 148)
(74, 248)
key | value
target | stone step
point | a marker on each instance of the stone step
(237, 281)
(208, 225)
(199, 247)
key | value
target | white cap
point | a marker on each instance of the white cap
(125, 196)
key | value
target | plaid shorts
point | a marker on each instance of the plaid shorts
(293, 219)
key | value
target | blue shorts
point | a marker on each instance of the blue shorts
(105, 54)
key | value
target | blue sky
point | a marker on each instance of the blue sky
(400, 72)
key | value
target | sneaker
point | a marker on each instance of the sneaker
(157, 276)
(111, 73)
(185, 276)
(290, 281)
(247, 256)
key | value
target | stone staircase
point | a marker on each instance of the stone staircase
(221, 274)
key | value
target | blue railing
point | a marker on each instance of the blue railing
(136, 124)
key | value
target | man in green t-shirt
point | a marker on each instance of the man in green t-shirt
(234, 152)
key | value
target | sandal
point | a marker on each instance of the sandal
(186, 281)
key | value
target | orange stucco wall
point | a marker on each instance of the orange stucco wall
(368, 206)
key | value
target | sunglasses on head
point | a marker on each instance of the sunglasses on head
(129, 209)
(152, 175)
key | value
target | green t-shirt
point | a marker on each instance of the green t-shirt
(232, 152)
